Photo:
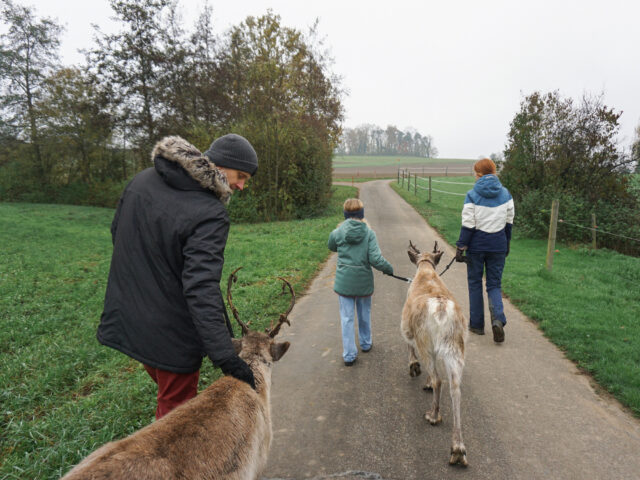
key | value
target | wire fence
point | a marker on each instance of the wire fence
(454, 171)
(596, 229)
(414, 180)
(452, 183)
(411, 177)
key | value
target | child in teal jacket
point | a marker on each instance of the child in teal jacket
(358, 251)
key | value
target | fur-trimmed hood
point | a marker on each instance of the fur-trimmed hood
(199, 167)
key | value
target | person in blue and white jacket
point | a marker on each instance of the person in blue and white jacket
(487, 220)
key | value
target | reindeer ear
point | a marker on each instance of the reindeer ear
(436, 257)
(237, 345)
(278, 350)
(413, 257)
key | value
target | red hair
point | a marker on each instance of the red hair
(485, 167)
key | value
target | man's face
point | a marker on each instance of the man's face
(235, 178)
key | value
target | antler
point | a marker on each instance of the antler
(232, 279)
(413, 248)
(283, 316)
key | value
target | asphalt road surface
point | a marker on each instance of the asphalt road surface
(527, 412)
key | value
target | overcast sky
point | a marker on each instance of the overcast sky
(455, 70)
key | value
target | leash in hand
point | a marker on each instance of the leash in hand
(447, 267)
(460, 257)
(408, 280)
(404, 279)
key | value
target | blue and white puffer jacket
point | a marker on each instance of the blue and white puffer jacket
(487, 217)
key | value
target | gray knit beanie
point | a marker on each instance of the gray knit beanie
(233, 151)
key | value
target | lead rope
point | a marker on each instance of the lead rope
(408, 280)
(447, 267)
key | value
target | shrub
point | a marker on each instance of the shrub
(612, 216)
(560, 150)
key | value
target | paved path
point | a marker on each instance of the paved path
(527, 412)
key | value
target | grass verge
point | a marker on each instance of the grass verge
(62, 394)
(588, 305)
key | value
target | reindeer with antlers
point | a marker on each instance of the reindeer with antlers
(222, 433)
(435, 330)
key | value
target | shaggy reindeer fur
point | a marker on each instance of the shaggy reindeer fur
(199, 167)
(223, 433)
(435, 330)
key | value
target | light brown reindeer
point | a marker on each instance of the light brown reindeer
(435, 330)
(222, 433)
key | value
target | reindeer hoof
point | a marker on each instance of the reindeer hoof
(414, 369)
(433, 418)
(458, 456)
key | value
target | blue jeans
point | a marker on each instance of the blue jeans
(493, 264)
(348, 307)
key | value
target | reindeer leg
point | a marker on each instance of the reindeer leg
(458, 450)
(428, 384)
(414, 364)
(433, 415)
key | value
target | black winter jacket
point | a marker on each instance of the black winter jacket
(163, 305)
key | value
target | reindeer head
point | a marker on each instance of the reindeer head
(254, 343)
(416, 257)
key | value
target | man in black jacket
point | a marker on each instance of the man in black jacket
(163, 305)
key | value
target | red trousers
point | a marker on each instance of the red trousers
(173, 388)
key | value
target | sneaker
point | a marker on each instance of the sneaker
(498, 331)
(477, 331)
(349, 363)
(367, 350)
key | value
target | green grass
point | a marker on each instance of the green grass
(375, 161)
(589, 305)
(357, 179)
(61, 393)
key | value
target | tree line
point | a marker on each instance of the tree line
(77, 133)
(372, 140)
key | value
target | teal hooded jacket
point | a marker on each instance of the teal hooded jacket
(358, 251)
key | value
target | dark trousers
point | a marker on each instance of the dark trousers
(492, 264)
(173, 388)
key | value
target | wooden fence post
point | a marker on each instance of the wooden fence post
(415, 185)
(553, 226)
(429, 188)
(409, 182)
(593, 232)
(398, 175)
